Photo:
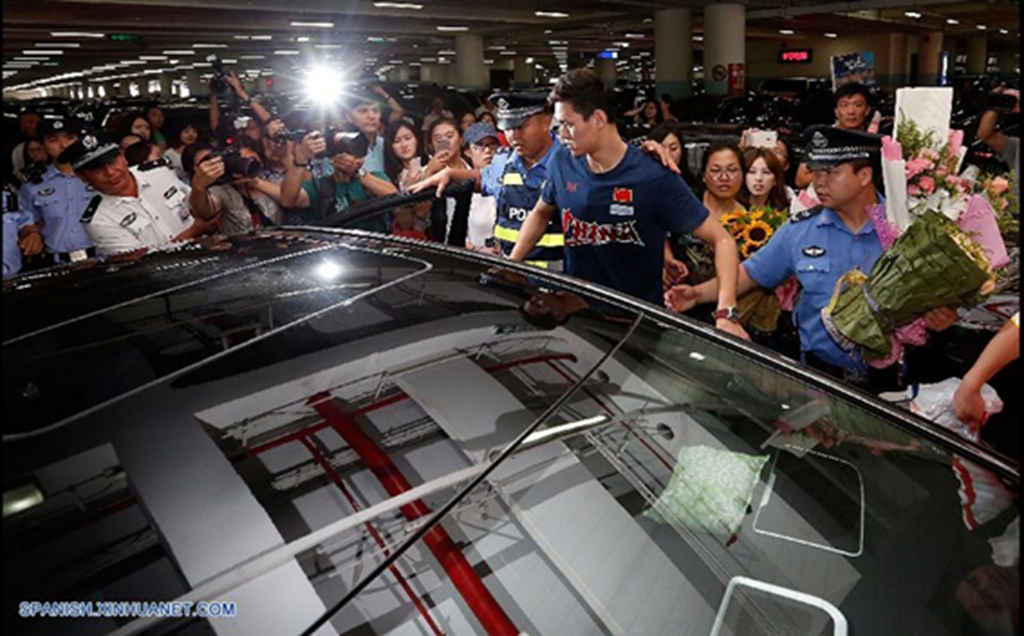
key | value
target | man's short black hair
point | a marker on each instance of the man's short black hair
(585, 92)
(188, 155)
(138, 152)
(851, 89)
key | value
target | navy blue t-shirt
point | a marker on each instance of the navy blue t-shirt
(615, 223)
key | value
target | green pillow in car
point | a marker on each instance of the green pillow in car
(710, 489)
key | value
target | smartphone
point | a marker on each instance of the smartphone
(443, 144)
(490, 241)
(763, 139)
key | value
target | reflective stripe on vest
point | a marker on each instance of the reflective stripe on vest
(514, 201)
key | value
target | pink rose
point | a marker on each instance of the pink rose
(998, 186)
(927, 184)
(917, 165)
(930, 154)
(941, 172)
(956, 140)
(913, 190)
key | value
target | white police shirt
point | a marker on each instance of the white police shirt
(151, 220)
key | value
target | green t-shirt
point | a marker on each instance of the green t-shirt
(346, 195)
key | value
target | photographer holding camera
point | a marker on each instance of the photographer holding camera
(219, 83)
(227, 183)
(1002, 101)
(350, 182)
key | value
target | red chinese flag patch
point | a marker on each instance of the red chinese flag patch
(622, 195)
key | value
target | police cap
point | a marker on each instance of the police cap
(828, 146)
(515, 108)
(59, 123)
(92, 150)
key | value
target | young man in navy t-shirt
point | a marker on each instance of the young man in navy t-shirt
(617, 204)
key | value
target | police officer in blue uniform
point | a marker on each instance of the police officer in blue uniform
(819, 246)
(59, 199)
(516, 175)
(16, 229)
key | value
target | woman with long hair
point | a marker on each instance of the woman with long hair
(765, 182)
(134, 123)
(449, 217)
(403, 163)
(181, 135)
(670, 135)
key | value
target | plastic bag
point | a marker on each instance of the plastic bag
(934, 402)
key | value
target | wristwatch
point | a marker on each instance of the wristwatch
(361, 173)
(300, 165)
(729, 313)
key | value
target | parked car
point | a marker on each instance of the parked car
(380, 434)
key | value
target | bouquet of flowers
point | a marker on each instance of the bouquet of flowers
(751, 229)
(1000, 192)
(932, 264)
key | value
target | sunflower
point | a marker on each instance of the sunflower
(757, 233)
(748, 250)
(729, 217)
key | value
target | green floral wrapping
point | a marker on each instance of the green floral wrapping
(933, 264)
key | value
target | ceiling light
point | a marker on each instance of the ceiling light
(261, 38)
(398, 5)
(41, 52)
(831, 35)
(152, 58)
(428, 60)
(912, 14)
(1003, 32)
(241, 37)
(286, 52)
(326, 46)
(982, 27)
(550, 14)
(76, 34)
(30, 59)
(634, 36)
(202, 45)
(507, 52)
(698, 38)
(447, 53)
(453, 28)
(253, 57)
(302, 38)
(952, 21)
(786, 31)
(181, 52)
(63, 45)
(315, 25)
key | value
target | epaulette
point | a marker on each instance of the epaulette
(803, 215)
(160, 162)
(90, 210)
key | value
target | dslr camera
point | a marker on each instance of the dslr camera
(338, 141)
(235, 165)
(218, 83)
(33, 172)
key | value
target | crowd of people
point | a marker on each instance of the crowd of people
(556, 186)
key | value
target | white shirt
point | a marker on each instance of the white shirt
(157, 215)
(483, 214)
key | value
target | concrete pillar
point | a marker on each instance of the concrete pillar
(606, 70)
(165, 85)
(724, 45)
(431, 73)
(195, 84)
(929, 58)
(525, 74)
(977, 54)
(404, 73)
(897, 61)
(673, 51)
(469, 62)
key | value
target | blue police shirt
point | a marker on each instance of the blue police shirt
(818, 250)
(490, 176)
(13, 223)
(57, 204)
(615, 222)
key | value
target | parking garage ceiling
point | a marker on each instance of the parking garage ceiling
(83, 35)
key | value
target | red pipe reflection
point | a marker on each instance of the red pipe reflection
(481, 603)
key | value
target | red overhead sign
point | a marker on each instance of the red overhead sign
(796, 56)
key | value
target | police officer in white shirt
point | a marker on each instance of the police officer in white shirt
(145, 207)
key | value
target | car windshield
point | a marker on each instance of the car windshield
(294, 411)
